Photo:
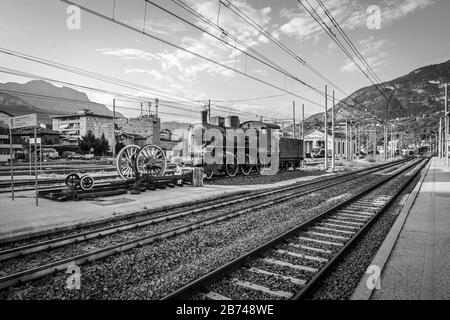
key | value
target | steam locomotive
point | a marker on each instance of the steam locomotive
(224, 145)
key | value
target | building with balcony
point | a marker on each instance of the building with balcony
(146, 128)
(5, 154)
(75, 126)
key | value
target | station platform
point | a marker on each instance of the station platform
(21, 217)
(414, 259)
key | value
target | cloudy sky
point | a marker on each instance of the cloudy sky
(412, 33)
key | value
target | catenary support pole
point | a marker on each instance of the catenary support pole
(333, 151)
(35, 167)
(326, 127)
(114, 129)
(11, 158)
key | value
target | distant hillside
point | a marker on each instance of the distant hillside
(414, 94)
(17, 107)
(46, 99)
(173, 125)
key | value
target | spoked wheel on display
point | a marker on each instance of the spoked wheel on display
(151, 160)
(126, 161)
(72, 180)
(87, 183)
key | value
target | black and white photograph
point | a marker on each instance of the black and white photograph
(224, 158)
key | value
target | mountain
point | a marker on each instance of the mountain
(174, 125)
(46, 99)
(18, 107)
(414, 94)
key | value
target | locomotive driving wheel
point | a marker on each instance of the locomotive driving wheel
(232, 170)
(246, 168)
(126, 161)
(209, 175)
(151, 160)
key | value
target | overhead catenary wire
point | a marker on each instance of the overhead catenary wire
(129, 98)
(315, 15)
(89, 74)
(280, 44)
(41, 96)
(245, 17)
(354, 48)
(198, 55)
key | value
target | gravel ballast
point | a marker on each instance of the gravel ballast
(152, 271)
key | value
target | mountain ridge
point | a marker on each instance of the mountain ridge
(46, 99)
(414, 94)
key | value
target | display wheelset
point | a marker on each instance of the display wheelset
(85, 182)
(132, 159)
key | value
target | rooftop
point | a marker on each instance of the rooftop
(83, 113)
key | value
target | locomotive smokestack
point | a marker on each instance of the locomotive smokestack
(204, 116)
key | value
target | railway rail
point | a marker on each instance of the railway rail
(5, 186)
(72, 239)
(289, 266)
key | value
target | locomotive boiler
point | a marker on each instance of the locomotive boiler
(228, 146)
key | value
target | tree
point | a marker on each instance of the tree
(87, 142)
(119, 146)
(101, 145)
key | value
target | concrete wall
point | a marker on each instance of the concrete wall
(147, 127)
(98, 126)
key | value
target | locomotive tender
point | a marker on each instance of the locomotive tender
(231, 147)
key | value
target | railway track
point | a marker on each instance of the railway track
(185, 223)
(210, 203)
(289, 266)
(48, 183)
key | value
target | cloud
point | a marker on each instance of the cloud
(261, 72)
(370, 48)
(370, 45)
(159, 26)
(350, 14)
(130, 54)
(375, 63)
(155, 74)
(303, 26)
(183, 65)
(391, 11)
(231, 23)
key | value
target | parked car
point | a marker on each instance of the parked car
(72, 155)
(50, 153)
(88, 156)
(109, 160)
